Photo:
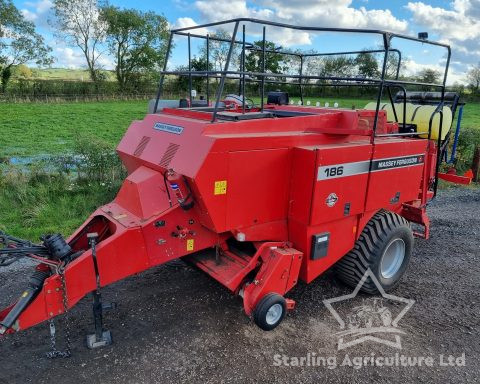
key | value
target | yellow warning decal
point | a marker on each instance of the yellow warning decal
(220, 187)
(190, 243)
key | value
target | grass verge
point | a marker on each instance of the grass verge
(59, 196)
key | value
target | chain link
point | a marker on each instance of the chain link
(55, 353)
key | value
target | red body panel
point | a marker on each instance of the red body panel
(349, 189)
(250, 200)
(385, 185)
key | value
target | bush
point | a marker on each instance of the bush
(96, 162)
(468, 140)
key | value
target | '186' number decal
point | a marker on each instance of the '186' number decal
(333, 171)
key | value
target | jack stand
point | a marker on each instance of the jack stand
(101, 337)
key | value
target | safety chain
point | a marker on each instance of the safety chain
(55, 353)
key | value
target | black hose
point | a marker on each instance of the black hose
(54, 248)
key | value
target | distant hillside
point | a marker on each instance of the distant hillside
(66, 74)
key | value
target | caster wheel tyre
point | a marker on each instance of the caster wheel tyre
(270, 311)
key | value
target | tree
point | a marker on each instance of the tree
(274, 62)
(19, 43)
(197, 64)
(337, 66)
(367, 65)
(78, 22)
(22, 72)
(312, 64)
(428, 75)
(218, 50)
(458, 88)
(473, 78)
(137, 41)
(392, 65)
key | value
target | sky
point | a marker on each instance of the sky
(456, 23)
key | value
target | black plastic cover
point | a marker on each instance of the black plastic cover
(277, 97)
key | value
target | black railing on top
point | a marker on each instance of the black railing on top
(243, 76)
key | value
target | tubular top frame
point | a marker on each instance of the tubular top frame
(262, 77)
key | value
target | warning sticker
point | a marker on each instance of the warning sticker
(190, 244)
(220, 187)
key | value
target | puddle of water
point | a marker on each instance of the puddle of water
(47, 162)
(28, 160)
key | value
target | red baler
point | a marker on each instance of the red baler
(256, 197)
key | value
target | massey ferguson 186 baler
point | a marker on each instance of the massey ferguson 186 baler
(257, 197)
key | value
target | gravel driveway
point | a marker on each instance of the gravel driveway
(174, 324)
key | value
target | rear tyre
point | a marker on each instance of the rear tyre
(385, 246)
(270, 311)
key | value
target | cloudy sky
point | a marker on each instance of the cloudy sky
(454, 22)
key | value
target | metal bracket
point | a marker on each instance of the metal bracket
(395, 199)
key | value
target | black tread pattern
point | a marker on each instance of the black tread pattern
(352, 267)
(260, 312)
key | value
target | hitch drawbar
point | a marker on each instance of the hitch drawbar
(53, 252)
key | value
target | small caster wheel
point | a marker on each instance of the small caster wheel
(270, 311)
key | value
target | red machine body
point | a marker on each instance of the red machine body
(243, 199)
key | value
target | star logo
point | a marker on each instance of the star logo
(371, 320)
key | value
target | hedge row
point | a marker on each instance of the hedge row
(24, 90)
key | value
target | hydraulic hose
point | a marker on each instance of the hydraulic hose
(54, 247)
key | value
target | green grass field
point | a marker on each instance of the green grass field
(39, 129)
(66, 74)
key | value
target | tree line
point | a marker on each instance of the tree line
(280, 61)
(136, 42)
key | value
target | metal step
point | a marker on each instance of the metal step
(228, 268)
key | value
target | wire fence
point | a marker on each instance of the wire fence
(74, 98)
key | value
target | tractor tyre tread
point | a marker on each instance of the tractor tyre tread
(368, 248)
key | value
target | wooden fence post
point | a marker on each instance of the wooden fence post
(476, 163)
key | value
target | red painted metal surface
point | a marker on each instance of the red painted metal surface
(454, 178)
(274, 182)
(278, 273)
